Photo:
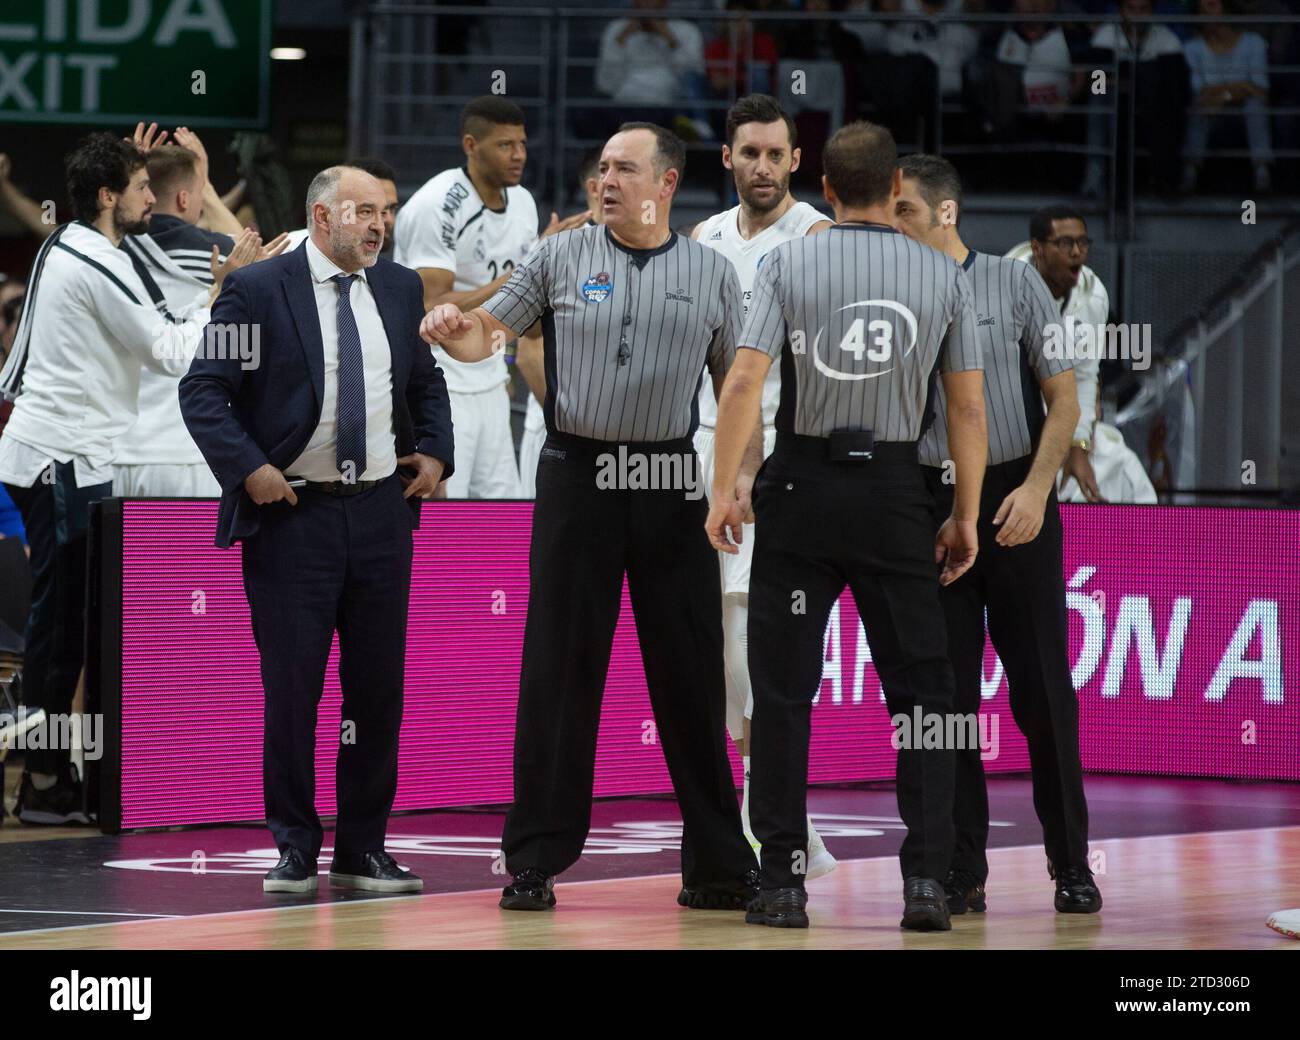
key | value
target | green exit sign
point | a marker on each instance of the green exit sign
(181, 62)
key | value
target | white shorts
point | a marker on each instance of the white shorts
(485, 447)
(165, 480)
(735, 568)
(530, 448)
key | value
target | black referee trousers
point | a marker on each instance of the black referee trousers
(820, 526)
(1023, 590)
(584, 539)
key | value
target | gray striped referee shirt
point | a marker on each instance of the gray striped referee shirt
(627, 332)
(1013, 310)
(860, 318)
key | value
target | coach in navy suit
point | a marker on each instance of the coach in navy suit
(325, 418)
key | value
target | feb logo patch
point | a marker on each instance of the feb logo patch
(597, 288)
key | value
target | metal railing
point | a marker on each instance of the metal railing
(1226, 397)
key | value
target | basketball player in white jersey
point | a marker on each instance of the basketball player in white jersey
(465, 231)
(761, 154)
(529, 359)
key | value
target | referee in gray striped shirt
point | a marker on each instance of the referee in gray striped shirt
(861, 320)
(1018, 577)
(632, 314)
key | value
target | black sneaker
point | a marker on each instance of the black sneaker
(372, 872)
(62, 803)
(294, 873)
(721, 895)
(530, 889)
(925, 907)
(1076, 892)
(965, 891)
(779, 908)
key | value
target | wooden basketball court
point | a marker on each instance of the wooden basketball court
(1188, 891)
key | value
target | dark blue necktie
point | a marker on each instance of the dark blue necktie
(350, 432)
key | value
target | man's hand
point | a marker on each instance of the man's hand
(444, 322)
(266, 484)
(274, 247)
(725, 516)
(1079, 466)
(246, 250)
(148, 140)
(1020, 516)
(955, 546)
(427, 477)
(567, 224)
(189, 140)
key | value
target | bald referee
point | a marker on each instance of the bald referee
(862, 321)
(1018, 578)
(632, 313)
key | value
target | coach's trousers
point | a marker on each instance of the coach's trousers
(820, 526)
(324, 565)
(1023, 589)
(585, 537)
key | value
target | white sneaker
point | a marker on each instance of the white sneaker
(820, 860)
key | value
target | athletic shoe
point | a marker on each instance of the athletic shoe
(965, 891)
(372, 872)
(62, 803)
(721, 895)
(925, 909)
(779, 908)
(294, 873)
(1076, 892)
(530, 889)
(820, 860)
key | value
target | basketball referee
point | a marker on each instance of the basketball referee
(1018, 577)
(861, 319)
(631, 315)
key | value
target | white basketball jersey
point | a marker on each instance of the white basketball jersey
(722, 232)
(446, 225)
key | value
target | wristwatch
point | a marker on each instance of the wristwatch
(1082, 442)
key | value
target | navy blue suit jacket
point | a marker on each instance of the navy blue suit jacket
(242, 418)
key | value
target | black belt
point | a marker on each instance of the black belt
(819, 448)
(342, 488)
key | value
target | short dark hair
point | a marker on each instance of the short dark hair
(590, 167)
(480, 115)
(169, 166)
(670, 152)
(377, 168)
(936, 179)
(100, 160)
(859, 162)
(1040, 224)
(758, 108)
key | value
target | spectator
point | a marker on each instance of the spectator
(649, 64)
(1031, 67)
(1159, 92)
(1229, 77)
(741, 58)
(948, 46)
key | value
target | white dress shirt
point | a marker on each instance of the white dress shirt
(317, 461)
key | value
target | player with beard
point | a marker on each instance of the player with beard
(761, 154)
(89, 327)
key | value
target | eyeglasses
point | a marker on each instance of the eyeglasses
(1066, 244)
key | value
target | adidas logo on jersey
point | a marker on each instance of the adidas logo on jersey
(716, 236)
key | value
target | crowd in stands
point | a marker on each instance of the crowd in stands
(1020, 86)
